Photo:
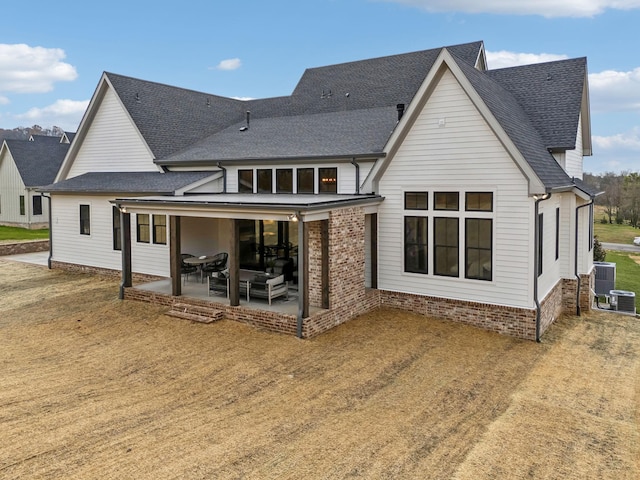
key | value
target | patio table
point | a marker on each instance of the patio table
(199, 262)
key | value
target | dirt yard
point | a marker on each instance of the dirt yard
(92, 387)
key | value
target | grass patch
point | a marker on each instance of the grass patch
(16, 233)
(612, 232)
(627, 271)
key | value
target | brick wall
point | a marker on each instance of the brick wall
(107, 272)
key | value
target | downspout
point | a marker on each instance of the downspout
(536, 256)
(355, 164)
(50, 236)
(224, 177)
(575, 266)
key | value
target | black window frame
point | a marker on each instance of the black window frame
(116, 228)
(300, 172)
(159, 229)
(328, 180)
(143, 229)
(22, 206)
(557, 233)
(85, 219)
(448, 196)
(412, 200)
(446, 247)
(265, 175)
(281, 177)
(416, 248)
(540, 243)
(36, 204)
(242, 182)
(475, 206)
(476, 249)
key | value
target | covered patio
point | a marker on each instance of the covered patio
(335, 263)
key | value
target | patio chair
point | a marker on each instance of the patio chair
(218, 263)
(186, 269)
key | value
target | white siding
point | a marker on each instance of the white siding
(574, 157)
(112, 143)
(451, 148)
(11, 187)
(550, 266)
(70, 246)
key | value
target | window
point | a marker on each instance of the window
(446, 200)
(284, 180)
(37, 204)
(327, 180)
(540, 242)
(245, 181)
(22, 211)
(85, 220)
(142, 227)
(557, 233)
(479, 202)
(265, 181)
(445, 245)
(160, 229)
(478, 261)
(416, 201)
(415, 244)
(305, 180)
(116, 228)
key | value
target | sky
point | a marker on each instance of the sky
(52, 54)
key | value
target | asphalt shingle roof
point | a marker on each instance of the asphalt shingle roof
(123, 182)
(349, 109)
(38, 161)
(344, 133)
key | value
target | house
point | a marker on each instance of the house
(26, 165)
(420, 181)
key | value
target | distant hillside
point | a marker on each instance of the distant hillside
(23, 133)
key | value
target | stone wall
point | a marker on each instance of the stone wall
(29, 246)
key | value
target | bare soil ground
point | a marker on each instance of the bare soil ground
(93, 387)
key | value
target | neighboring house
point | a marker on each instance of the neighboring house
(420, 181)
(26, 165)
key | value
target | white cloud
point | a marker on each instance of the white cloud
(65, 114)
(615, 153)
(503, 58)
(545, 8)
(26, 69)
(4, 100)
(615, 91)
(229, 64)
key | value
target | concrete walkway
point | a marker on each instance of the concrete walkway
(36, 258)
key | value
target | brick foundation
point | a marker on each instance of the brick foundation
(107, 272)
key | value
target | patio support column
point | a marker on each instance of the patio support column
(174, 255)
(374, 250)
(234, 264)
(324, 253)
(303, 275)
(125, 243)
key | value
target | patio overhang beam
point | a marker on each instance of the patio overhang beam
(373, 156)
(249, 210)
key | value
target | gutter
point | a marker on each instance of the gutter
(536, 256)
(575, 260)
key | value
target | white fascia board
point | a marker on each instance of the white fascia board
(585, 118)
(443, 62)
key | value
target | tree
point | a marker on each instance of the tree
(631, 199)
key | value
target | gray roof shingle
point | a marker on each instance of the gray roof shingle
(125, 182)
(38, 161)
(349, 109)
